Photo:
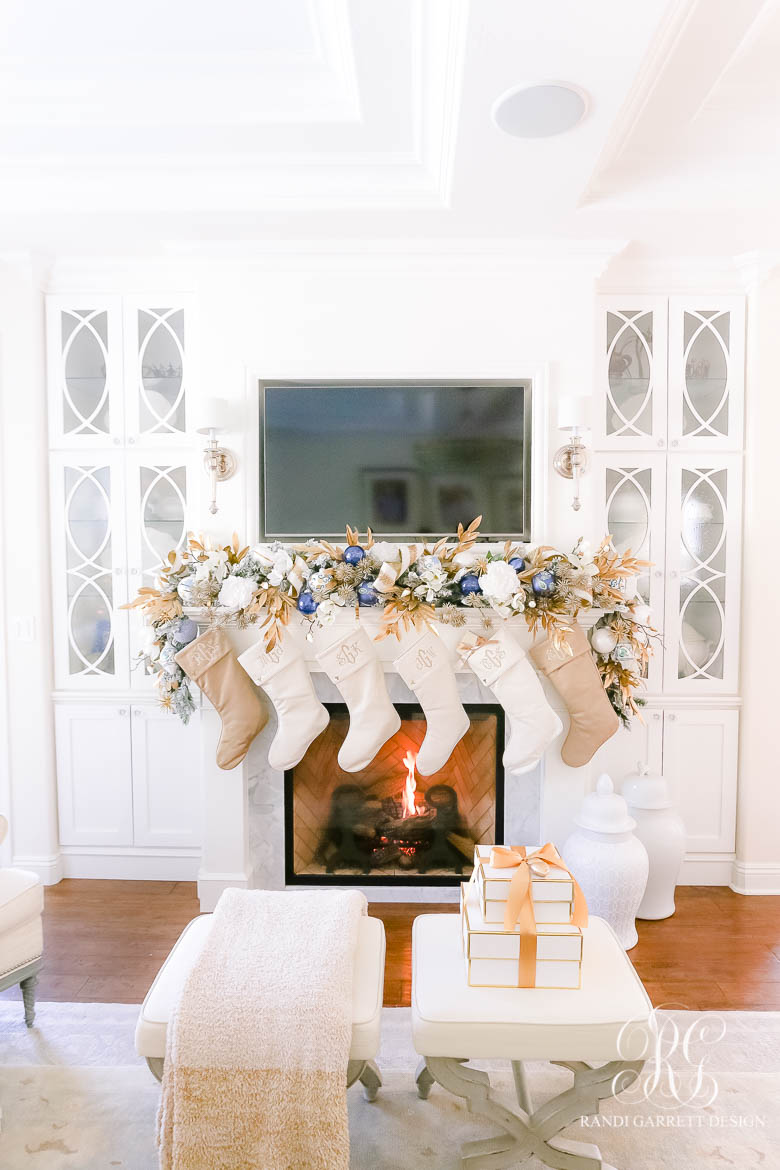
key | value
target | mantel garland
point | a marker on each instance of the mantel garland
(415, 584)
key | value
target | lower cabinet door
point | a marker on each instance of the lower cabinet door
(639, 743)
(700, 765)
(166, 778)
(94, 775)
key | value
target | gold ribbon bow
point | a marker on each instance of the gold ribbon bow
(468, 645)
(520, 904)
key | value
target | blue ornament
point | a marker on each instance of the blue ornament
(517, 563)
(186, 631)
(367, 594)
(470, 584)
(543, 583)
(306, 603)
(353, 554)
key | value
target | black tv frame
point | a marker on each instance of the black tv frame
(524, 384)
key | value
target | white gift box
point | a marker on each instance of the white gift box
(492, 954)
(553, 895)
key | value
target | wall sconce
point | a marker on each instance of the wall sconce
(572, 459)
(218, 461)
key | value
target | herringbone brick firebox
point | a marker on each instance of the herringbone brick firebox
(387, 824)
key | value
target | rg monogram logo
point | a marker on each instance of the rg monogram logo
(348, 652)
(493, 656)
(424, 660)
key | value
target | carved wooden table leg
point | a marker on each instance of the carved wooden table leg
(28, 997)
(532, 1135)
(368, 1074)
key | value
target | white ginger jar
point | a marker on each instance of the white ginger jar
(662, 832)
(608, 861)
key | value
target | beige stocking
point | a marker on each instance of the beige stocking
(576, 678)
(210, 662)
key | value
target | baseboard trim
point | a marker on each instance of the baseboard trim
(755, 877)
(706, 869)
(130, 865)
(49, 869)
(211, 885)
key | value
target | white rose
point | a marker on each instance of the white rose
(499, 582)
(215, 565)
(236, 592)
(326, 613)
(280, 566)
(149, 646)
(435, 580)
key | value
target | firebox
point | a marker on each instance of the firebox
(387, 825)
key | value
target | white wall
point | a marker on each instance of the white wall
(28, 747)
(758, 809)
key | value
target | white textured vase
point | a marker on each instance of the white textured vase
(608, 860)
(662, 832)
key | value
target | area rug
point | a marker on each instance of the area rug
(74, 1096)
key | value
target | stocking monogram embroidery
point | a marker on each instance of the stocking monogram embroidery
(424, 659)
(348, 652)
(493, 657)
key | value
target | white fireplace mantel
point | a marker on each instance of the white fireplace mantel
(243, 817)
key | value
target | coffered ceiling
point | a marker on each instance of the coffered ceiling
(189, 124)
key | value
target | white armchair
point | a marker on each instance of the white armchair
(21, 931)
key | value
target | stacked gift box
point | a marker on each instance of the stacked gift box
(542, 948)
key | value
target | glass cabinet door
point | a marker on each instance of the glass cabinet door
(84, 344)
(157, 370)
(630, 411)
(703, 560)
(157, 522)
(632, 495)
(706, 373)
(89, 580)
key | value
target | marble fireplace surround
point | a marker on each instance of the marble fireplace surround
(243, 810)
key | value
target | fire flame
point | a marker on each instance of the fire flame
(409, 808)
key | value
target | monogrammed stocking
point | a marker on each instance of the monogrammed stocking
(352, 663)
(426, 668)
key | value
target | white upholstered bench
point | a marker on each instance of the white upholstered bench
(609, 1020)
(367, 996)
(21, 931)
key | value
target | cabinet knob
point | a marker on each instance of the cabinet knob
(131, 439)
(673, 575)
(658, 573)
(116, 440)
(138, 713)
(134, 572)
(118, 570)
(656, 714)
(660, 443)
(671, 717)
(674, 443)
(123, 710)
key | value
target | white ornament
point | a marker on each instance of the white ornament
(662, 832)
(608, 860)
(184, 590)
(236, 592)
(641, 614)
(603, 640)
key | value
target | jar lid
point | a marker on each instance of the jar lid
(605, 811)
(646, 789)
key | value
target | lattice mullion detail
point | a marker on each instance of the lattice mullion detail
(705, 426)
(83, 323)
(161, 475)
(161, 321)
(628, 475)
(88, 570)
(629, 326)
(703, 575)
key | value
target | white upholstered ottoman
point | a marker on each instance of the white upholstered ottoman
(608, 1020)
(367, 996)
(21, 931)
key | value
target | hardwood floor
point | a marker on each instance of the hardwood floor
(105, 941)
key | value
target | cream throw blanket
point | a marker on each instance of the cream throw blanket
(258, 1045)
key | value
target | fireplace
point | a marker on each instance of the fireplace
(387, 825)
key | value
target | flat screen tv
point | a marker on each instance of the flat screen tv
(403, 458)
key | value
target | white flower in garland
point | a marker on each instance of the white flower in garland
(237, 592)
(326, 613)
(518, 602)
(433, 581)
(281, 563)
(498, 582)
(215, 565)
(150, 647)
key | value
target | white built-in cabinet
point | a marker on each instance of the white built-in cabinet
(122, 467)
(668, 433)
